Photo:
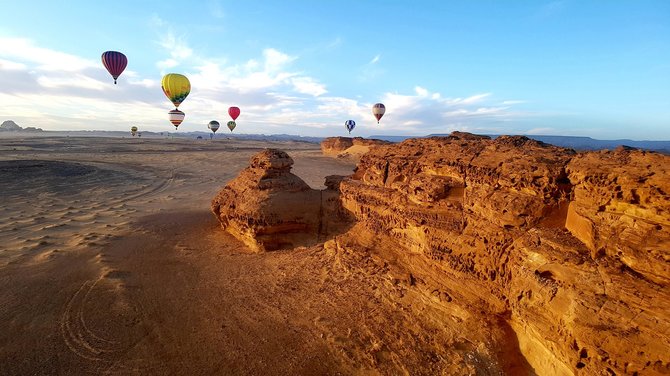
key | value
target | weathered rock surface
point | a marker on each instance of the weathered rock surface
(347, 147)
(574, 249)
(269, 208)
(571, 250)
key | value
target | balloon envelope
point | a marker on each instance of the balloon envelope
(231, 125)
(350, 124)
(176, 117)
(213, 125)
(234, 112)
(378, 110)
(176, 87)
(115, 62)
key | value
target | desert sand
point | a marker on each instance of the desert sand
(112, 263)
(456, 255)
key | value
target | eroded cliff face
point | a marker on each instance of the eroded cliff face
(573, 249)
(347, 147)
(269, 208)
(569, 251)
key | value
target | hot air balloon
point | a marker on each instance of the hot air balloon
(133, 130)
(378, 110)
(176, 117)
(234, 112)
(214, 126)
(115, 62)
(231, 125)
(176, 87)
(350, 124)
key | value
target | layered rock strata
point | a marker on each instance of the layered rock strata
(573, 249)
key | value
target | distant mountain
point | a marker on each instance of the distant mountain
(588, 143)
(573, 142)
(11, 126)
(394, 138)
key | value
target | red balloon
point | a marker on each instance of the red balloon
(234, 112)
(115, 62)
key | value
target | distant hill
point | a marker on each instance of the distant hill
(573, 142)
(11, 126)
(588, 143)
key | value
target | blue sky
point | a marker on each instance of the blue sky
(585, 68)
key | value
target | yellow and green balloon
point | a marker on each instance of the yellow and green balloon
(176, 88)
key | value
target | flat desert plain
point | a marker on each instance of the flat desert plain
(112, 263)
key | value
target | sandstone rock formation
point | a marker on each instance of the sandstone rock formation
(571, 250)
(347, 147)
(269, 208)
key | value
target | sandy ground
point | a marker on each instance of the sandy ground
(111, 263)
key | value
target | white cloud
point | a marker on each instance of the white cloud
(275, 60)
(168, 63)
(375, 59)
(74, 80)
(421, 91)
(11, 65)
(26, 52)
(472, 99)
(308, 85)
(176, 46)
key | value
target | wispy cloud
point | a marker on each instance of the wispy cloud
(178, 49)
(22, 50)
(372, 70)
(308, 85)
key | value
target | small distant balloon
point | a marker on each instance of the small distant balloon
(133, 130)
(115, 62)
(234, 112)
(350, 125)
(231, 125)
(378, 111)
(213, 126)
(176, 117)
